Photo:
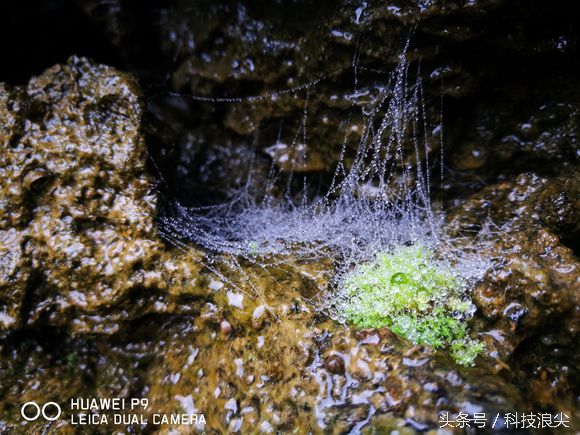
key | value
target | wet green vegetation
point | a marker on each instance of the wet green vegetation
(416, 297)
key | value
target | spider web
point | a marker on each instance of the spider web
(376, 201)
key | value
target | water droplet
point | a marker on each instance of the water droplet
(399, 278)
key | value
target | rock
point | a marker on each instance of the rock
(534, 278)
(307, 372)
(295, 386)
(14, 276)
(78, 207)
(225, 328)
(313, 66)
(528, 298)
(334, 364)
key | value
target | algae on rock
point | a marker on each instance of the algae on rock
(414, 296)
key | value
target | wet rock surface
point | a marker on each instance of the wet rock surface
(277, 375)
(528, 299)
(78, 207)
(93, 302)
(504, 75)
(280, 366)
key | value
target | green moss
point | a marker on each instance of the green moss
(464, 351)
(417, 298)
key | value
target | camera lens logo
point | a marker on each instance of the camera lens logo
(50, 411)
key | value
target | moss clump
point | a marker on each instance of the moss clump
(416, 298)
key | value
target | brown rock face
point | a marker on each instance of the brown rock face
(528, 298)
(77, 209)
(505, 74)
